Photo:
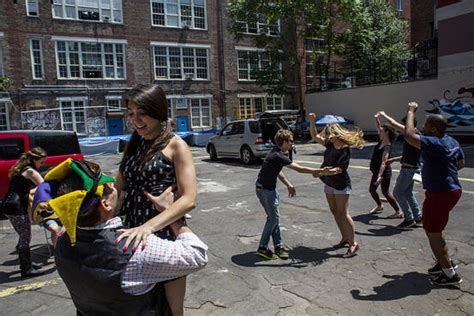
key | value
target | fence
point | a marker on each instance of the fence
(341, 74)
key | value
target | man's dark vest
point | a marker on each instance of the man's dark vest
(92, 271)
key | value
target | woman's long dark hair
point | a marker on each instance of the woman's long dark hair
(26, 160)
(152, 99)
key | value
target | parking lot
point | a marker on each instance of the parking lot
(387, 277)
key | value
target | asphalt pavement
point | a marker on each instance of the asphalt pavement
(387, 277)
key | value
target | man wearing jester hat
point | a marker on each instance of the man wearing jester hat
(102, 277)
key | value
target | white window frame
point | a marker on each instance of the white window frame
(33, 62)
(185, 75)
(260, 28)
(28, 11)
(200, 117)
(4, 103)
(80, 52)
(179, 15)
(73, 111)
(2, 60)
(265, 103)
(249, 64)
(400, 6)
(113, 16)
(114, 98)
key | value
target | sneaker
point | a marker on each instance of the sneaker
(266, 254)
(442, 279)
(406, 224)
(282, 253)
(436, 269)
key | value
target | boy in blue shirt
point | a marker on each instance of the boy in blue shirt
(268, 194)
(442, 158)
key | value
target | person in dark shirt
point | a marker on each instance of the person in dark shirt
(381, 172)
(268, 195)
(24, 176)
(410, 164)
(338, 141)
(442, 158)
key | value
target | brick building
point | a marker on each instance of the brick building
(72, 61)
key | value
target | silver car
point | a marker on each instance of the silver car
(245, 139)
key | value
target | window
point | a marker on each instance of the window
(274, 103)
(114, 102)
(2, 67)
(4, 122)
(107, 11)
(179, 13)
(73, 114)
(36, 59)
(32, 8)
(11, 148)
(251, 61)
(180, 63)
(400, 6)
(200, 112)
(250, 105)
(245, 108)
(261, 26)
(84, 60)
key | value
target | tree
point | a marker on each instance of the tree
(5, 83)
(298, 20)
(375, 47)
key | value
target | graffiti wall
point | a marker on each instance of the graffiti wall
(457, 108)
(44, 119)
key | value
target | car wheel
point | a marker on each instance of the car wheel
(246, 155)
(212, 152)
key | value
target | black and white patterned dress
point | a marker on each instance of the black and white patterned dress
(153, 176)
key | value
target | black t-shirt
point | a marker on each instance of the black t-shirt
(411, 155)
(271, 167)
(377, 156)
(334, 157)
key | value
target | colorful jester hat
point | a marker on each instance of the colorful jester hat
(70, 205)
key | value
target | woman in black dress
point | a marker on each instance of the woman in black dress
(155, 161)
(24, 176)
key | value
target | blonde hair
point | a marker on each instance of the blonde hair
(282, 135)
(352, 138)
(26, 160)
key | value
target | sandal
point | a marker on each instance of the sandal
(341, 244)
(395, 215)
(376, 209)
(351, 252)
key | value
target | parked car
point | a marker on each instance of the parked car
(59, 146)
(245, 139)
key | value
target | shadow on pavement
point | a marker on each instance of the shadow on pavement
(409, 284)
(14, 276)
(300, 257)
(235, 163)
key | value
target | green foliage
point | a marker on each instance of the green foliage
(375, 44)
(5, 83)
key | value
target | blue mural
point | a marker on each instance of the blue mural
(458, 110)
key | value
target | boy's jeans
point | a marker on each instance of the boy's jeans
(270, 200)
(403, 192)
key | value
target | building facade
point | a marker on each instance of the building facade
(72, 61)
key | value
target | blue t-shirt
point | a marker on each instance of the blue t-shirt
(440, 158)
(271, 167)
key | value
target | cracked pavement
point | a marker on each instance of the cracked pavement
(388, 276)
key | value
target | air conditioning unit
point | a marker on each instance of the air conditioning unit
(105, 18)
(189, 76)
(181, 103)
(186, 24)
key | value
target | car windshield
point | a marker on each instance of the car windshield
(56, 144)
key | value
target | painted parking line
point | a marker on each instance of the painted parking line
(28, 287)
(367, 168)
